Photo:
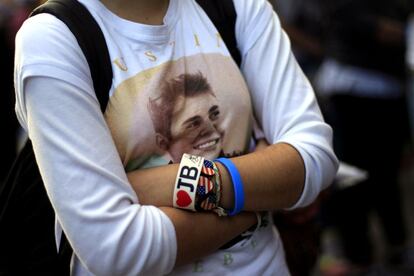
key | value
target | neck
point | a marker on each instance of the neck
(149, 12)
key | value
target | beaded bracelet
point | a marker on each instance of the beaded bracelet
(209, 201)
(237, 185)
(206, 195)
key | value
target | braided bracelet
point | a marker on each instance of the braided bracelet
(237, 185)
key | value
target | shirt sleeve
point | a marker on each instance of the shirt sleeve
(283, 99)
(110, 232)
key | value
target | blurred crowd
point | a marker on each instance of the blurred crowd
(359, 56)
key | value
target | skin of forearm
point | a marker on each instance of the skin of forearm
(273, 178)
(154, 186)
(207, 232)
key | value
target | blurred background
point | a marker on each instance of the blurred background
(12, 15)
(359, 57)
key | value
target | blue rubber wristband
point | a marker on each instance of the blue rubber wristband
(237, 185)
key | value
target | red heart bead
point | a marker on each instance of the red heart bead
(183, 199)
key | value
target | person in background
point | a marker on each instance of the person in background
(363, 80)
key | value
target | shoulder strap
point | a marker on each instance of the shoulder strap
(90, 38)
(223, 15)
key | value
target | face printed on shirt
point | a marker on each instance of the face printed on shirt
(196, 104)
(195, 129)
(186, 118)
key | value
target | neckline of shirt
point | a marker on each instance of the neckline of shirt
(134, 30)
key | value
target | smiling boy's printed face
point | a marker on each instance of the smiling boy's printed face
(186, 117)
(195, 127)
(185, 106)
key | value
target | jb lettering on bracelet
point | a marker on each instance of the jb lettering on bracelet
(185, 187)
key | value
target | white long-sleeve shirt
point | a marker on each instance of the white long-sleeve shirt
(82, 154)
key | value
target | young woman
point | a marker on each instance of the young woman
(121, 224)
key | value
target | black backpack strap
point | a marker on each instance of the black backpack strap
(223, 15)
(90, 39)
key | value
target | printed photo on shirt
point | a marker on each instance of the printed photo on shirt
(198, 105)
